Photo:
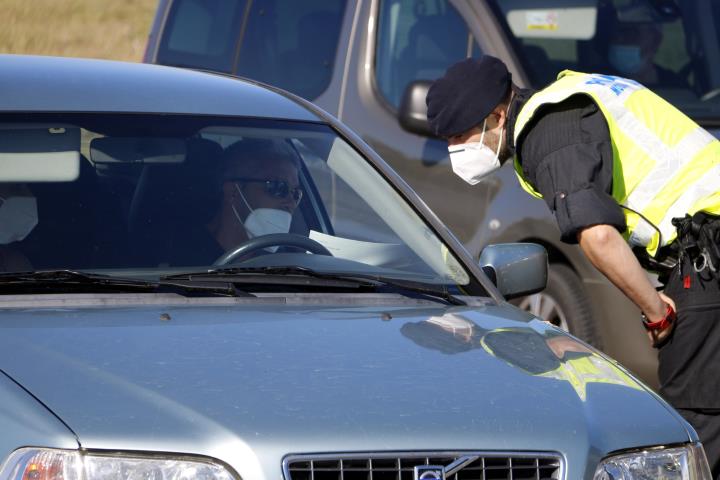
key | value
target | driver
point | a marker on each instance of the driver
(632, 51)
(260, 190)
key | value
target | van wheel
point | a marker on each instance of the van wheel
(564, 303)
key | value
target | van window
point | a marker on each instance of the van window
(418, 40)
(669, 46)
(288, 44)
(201, 34)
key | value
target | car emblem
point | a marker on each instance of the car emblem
(429, 472)
(440, 472)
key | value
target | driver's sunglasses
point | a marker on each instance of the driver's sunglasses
(276, 188)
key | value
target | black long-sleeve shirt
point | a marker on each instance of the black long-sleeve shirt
(566, 154)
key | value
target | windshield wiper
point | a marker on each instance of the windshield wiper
(67, 281)
(300, 276)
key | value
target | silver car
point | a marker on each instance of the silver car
(360, 341)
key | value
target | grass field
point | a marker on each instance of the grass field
(112, 29)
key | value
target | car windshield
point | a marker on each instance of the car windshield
(156, 195)
(669, 46)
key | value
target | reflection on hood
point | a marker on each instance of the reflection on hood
(551, 354)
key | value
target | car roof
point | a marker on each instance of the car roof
(57, 84)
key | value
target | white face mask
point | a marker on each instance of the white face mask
(475, 160)
(263, 221)
(18, 217)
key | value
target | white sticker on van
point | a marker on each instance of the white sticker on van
(541, 19)
(568, 19)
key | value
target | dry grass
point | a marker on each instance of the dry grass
(112, 29)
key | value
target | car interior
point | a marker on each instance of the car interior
(132, 197)
(119, 191)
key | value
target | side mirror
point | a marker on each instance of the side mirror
(517, 269)
(413, 111)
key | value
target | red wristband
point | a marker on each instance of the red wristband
(663, 323)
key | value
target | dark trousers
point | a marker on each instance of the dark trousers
(689, 367)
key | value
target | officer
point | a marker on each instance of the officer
(629, 178)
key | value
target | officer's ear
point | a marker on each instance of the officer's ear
(498, 117)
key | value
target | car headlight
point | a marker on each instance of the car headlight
(683, 463)
(50, 464)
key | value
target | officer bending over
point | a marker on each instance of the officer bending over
(628, 177)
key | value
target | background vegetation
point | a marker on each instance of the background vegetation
(112, 29)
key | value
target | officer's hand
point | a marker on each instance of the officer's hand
(667, 300)
(659, 337)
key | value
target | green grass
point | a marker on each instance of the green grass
(111, 29)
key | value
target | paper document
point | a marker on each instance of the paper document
(371, 253)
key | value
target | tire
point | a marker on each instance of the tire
(564, 303)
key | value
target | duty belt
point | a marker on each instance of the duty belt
(698, 241)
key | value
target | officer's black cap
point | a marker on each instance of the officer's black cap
(466, 94)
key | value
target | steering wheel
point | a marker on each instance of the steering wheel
(272, 240)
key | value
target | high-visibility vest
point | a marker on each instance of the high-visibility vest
(664, 164)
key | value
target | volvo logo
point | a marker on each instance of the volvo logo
(439, 472)
(429, 472)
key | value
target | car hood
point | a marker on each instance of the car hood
(251, 383)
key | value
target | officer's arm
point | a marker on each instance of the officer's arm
(610, 254)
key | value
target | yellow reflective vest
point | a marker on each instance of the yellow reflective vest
(664, 164)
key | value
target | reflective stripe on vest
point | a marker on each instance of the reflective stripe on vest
(664, 165)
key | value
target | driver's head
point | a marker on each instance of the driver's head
(260, 190)
(261, 173)
(633, 46)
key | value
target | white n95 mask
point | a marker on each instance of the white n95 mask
(475, 160)
(263, 221)
(18, 217)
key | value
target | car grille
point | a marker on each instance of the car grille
(489, 466)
